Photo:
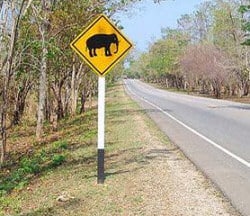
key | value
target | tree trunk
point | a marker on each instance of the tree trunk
(246, 88)
(4, 105)
(83, 101)
(43, 29)
(3, 125)
(76, 79)
(73, 90)
(7, 71)
(216, 85)
(60, 110)
(42, 84)
(20, 102)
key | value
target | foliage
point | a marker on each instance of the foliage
(37, 62)
(161, 62)
(245, 11)
(61, 144)
(57, 160)
(30, 166)
(204, 53)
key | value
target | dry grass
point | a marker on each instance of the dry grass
(145, 174)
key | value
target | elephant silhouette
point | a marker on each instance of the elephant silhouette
(98, 41)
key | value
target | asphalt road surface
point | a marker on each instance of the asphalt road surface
(214, 134)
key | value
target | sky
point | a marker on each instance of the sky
(144, 23)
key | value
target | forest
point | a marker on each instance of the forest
(43, 82)
(208, 53)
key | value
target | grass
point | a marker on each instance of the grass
(32, 161)
(65, 163)
(39, 158)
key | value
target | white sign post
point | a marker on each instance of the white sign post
(101, 129)
(101, 45)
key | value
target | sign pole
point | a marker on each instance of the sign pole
(102, 40)
(101, 129)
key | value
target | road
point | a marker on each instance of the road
(213, 134)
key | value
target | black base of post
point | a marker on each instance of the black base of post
(100, 168)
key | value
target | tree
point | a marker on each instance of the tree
(197, 25)
(9, 35)
(34, 38)
(160, 64)
(41, 13)
(245, 11)
(205, 64)
(228, 35)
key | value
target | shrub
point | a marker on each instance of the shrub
(57, 160)
(61, 144)
(30, 165)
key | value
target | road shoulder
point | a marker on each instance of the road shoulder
(175, 185)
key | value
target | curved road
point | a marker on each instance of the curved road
(214, 134)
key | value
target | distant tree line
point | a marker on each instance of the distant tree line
(208, 52)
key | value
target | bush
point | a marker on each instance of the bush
(30, 165)
(58, 160)
(61, 144)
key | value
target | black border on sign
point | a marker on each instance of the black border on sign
(92, 65)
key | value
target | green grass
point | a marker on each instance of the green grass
(43, 158)
(30, 167)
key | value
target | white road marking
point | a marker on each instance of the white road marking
(236, 157)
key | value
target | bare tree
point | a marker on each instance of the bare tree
(206, 66)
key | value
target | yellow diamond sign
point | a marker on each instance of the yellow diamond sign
(101, 45)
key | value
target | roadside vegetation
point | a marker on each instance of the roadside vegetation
(145, 173)
(45, 90)
(39, 72)
(208, 53)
